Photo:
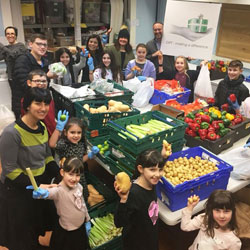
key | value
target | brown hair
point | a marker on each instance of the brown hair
(36, 72)
(141, 45)
(219, 199)
(37, 35)
(236, 63)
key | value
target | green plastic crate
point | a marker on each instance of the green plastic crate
(126, 96)
(117, 129)
(108, 194)
(99, 121)
(128, 159)
(115, 243)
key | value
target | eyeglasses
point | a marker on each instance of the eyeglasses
(41, 44)
(40, 81)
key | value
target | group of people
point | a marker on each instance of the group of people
(26, 213)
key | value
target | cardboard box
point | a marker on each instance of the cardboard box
(168, 110)
(65, 40)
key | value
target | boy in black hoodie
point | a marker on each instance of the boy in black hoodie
(232, 84)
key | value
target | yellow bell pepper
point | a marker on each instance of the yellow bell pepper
(211, 109)
(217, 112)
(230, 117)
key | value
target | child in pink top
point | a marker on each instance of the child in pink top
(217, 225)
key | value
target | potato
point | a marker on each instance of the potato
(122, 107)
(86, 106)
(123, 182)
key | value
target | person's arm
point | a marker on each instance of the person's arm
(54, 138)
(82, 63)
(129, 73)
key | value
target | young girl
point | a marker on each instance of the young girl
(95, 48)
(181, 73)
(74, 221)
(107, 69)
(64, 55)
(138, 208)
(217, 225)
(73, 143)
(140, 66)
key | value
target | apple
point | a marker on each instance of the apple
(63, 117)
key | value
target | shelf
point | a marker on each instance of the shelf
(60, 25)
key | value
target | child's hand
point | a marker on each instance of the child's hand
(84, 53)
(95, 150)
(192, 202)
(62, 118)
(40, 193)
(88, 227)
(123, 196)
(166, 149)
(142, 78)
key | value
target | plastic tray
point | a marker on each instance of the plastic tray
(160, 97)
(64, 103)
(115, 243)
(117, 128)
(175, 197)
(108, 194)
(128, 159)
(124, 95)
(216, 146)
(241, 130)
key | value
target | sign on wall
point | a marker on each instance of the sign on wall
(190, 29)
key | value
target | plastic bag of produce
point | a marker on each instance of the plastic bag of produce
(144, 93)
(132, 84)
(6, 117)
(240, 162)
(203, 87)
(58, 69)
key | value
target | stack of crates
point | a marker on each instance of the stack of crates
(124, 149)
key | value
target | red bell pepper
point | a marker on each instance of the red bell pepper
(210, 101)
(225, 106)
(238, 116)
(186, 130)
(211, 136)
(237, 121)
(232, 98)
(206, 110)
(202, 133)
(197, 120)
(187, 120)
(194, 126)
(211, 129)
(205, 118)
(217, 137)
(198, 115)
(192, 133)
(216, 126)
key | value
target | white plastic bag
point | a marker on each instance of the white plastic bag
(6, 117)
(203, 87)
(240, 162)
(144, 93)
(132, 84)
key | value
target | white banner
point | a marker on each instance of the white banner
(190, 29)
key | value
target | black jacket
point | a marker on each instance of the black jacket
(23, 65)
(192, 76)
(227, 87)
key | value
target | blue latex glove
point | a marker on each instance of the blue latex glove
(60, 124)
(247, 145)
(142, 78)
(85, 54)
(135, 72)
(88, 227)
(104, 38)
(90, 63)
(235, 104)
(93, 152)
(40, 193)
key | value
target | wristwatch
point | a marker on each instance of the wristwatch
(160, 65)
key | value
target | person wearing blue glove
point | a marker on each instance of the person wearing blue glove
(104, 39)
(73, 227)
(85, 53)
(147, 68)
(90, 63)
(93, 152)
(235, 105)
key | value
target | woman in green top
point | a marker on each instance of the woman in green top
(122, 50)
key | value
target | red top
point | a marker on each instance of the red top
(49, 120)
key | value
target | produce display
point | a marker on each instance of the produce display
(113, 106)
(168, 148)
(196, 105)
(103, 147)
(94, 196)
(151, 127)
(183, 169)
(210, 123)
(103, 230)
(122, 181)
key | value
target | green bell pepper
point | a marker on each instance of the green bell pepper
(204, 125)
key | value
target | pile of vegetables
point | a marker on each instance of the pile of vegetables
(140, 131)
(94, 196)
(196, 105)
(113, 106)
(103, 230)
(103, 147)
(210, 123)
(183, 169)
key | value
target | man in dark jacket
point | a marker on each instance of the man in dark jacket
(232, 84)
(153, 49)
(26, 63)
